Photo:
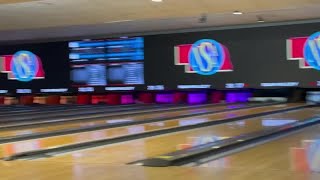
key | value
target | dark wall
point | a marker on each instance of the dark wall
(258, 55)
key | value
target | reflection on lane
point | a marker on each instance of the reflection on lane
(299, 152)
(155, 146)
(277, 122)
(51, 142)
(123, 119)
(306, 157)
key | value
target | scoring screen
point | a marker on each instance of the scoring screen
(109, 62)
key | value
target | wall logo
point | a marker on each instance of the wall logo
(205, 57)
(312, 50)
(22, 66)
(306, 50)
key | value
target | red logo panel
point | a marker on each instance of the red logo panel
(5, 67)
(295, 47)
(182, 58)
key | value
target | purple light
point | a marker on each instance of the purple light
(127, 99)
(236, 106)
(164, 98)
(197, 98)
(233, 97)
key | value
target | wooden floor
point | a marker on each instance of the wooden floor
(269, 161)
(69, 125)
(50, 142)
(283, 155)
(96, 171)
(154, 146)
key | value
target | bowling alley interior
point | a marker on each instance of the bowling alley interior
(159, 89)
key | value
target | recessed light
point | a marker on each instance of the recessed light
(237, 13)
(156, 0)
(118, 21)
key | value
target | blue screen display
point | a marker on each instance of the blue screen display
(122, 49)
(108, 75)
(108, 62)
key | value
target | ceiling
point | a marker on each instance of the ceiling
(46, 19)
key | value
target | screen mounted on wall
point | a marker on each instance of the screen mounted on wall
(108, 62)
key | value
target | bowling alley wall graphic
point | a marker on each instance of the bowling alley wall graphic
(204, 57)
(306, 50)
(22, 66)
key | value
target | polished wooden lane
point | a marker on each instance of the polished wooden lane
(32, 110)
(109, 121)
(50, 142)
(98, 171)
(57, 116)
(286, 154)
(154, 146)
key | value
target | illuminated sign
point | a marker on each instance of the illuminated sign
(156, 87)
(203, 86)
(54, 90)
(280, 84)
(235, 85)
(306, 50)
(86, 89)
(24, 91)
(119, 88)
(3, 91)
(205, 57)
(22, 66)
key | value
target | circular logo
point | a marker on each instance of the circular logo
(206, 56)
(24, 65)
(312, 51)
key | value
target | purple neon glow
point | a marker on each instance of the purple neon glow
(127, 99)
(234, 97)
(164, 98)
(197, 98)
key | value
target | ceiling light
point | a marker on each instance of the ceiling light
(118, 21)
(156, 0)
(237, 13)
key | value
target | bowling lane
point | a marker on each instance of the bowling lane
(51, 142)
(91, 113)
(67, 113)
(285, 154)
(158, 145)
(20, 109)
(110, 121)
(54, 108)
